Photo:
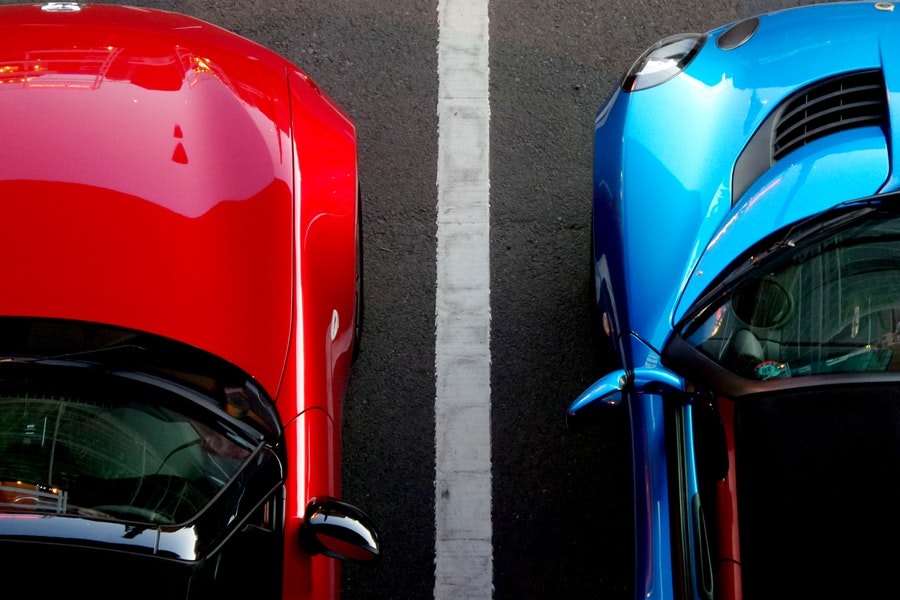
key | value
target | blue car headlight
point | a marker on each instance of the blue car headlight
(663, 61)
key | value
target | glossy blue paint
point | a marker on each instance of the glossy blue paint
(692, 485)
(653, 545)
(848, 165)
(606, 390)
(609, 389)
(667, 222)
(660, 197)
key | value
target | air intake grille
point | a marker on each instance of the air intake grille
(845, 102)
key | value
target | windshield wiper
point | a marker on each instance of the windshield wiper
(117, 349)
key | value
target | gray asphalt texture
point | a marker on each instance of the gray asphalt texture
(562, 500)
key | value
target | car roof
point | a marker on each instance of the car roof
(146, 179)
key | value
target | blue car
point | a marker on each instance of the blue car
(746, 282)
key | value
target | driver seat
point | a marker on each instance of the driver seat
(743, 353)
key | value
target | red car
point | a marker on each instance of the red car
(180, 309)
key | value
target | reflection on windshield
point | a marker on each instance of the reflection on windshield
(829, 305)
(112, 455)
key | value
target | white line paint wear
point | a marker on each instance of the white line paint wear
(463, 546)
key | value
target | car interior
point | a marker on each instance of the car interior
(817, 491)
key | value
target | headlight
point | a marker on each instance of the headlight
(663, 61)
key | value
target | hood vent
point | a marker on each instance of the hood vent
(845, 102)
(848, 101)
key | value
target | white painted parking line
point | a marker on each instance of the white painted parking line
(463, 546)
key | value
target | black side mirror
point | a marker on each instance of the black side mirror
(339, 530)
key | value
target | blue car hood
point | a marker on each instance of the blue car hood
(666, 156)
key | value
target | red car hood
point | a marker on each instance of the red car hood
(146, 179)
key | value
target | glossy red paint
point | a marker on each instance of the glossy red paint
(728, 542)
(172, 177)
(308, 577)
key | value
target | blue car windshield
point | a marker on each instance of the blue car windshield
(824, 298)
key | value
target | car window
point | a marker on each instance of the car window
(109, 448)
(826, 302)
(115, 431)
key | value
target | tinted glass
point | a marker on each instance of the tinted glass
(73, 441)
(112, 424)
(826, 303)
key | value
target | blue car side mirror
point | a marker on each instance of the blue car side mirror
(606, 391)
(609, 390)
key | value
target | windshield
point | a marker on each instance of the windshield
(106, 447)
(113, 430)
(825, 299)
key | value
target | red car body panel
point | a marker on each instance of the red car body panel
(174, 178)
(728, 533)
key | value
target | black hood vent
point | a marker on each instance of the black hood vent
(836, 104)
(845, 102)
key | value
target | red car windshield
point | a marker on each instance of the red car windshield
(115, 432)
(108, 455)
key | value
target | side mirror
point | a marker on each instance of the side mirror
(609, 390)
(603, 394)
(339, 530)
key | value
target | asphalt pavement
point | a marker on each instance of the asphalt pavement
(561, 512)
